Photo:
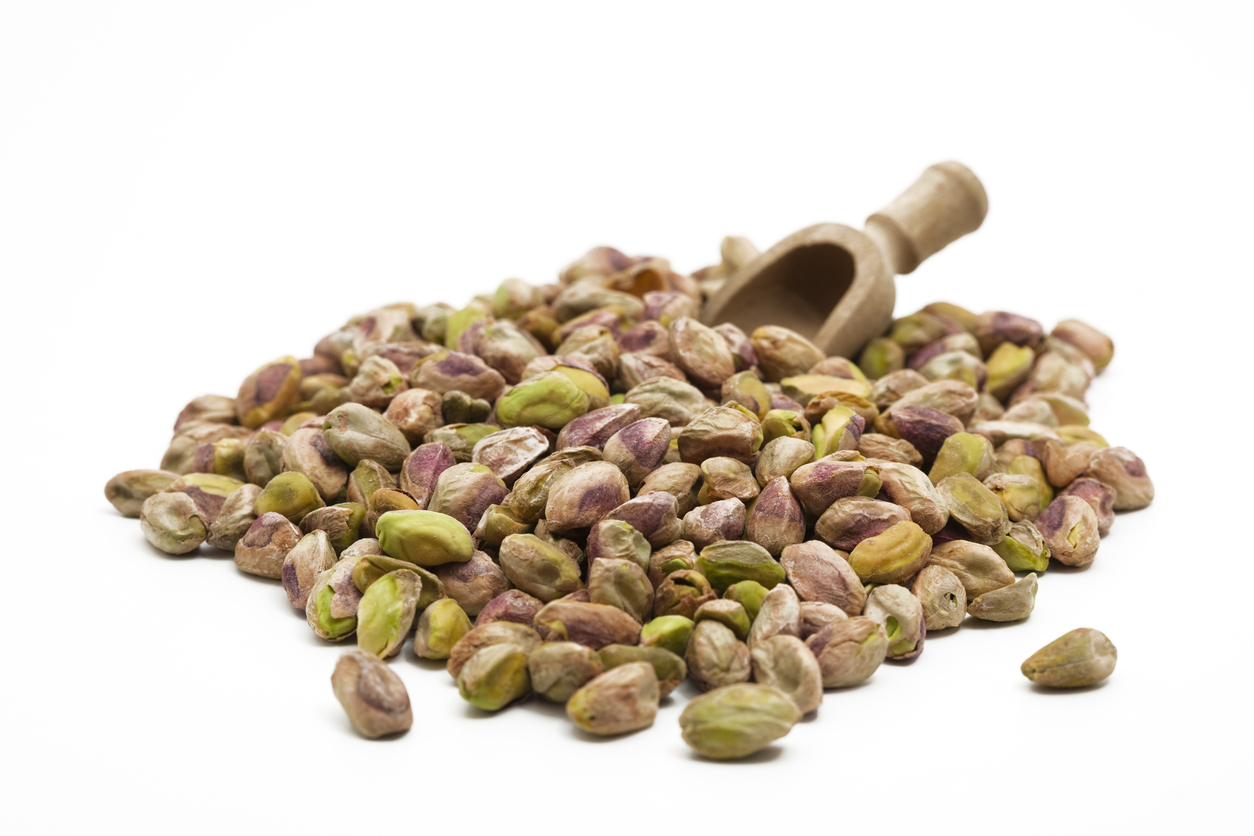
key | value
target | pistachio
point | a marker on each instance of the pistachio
(893, 556)
(894, 386)
(725, 611)
(531, 491)
(1010, 603)
(460, 408)
(718, 521)
(818, 484)
(511, 452)
(669, 632)
(676, 401)
(181, 454)
(440, 626)
(1124, 471)
(978, 567)
(370, 565)
(461, 438)
(1080, 658)
(672, 558)
(208, 491)
(901, 613)
(653, 515)
(383, 501)
(700, 352)
(1031, 466)
(724, 563)
(497, 523)
(355, 432)
(582, 496)
(962, 452)
(426, 538)
(786, 423)
(621, 700)
(851, 519)
(849, 651)
(455, 371)
(942, 595)
(668, 667)
(638, 448)
(721, 431)
(925, 428)
(1023, 548)
(593, 625)
(308, 559)
(214, 409)
(908, 487)
(737, 721)
(781, 457)
(1007, 367)
(416, 412)
(815, 615)
(559, 669)
(746, 389)
(1093, 343)
(373, 696)
(224, 457)
(511, 605)
(779, 615)
(422, 469)
(952, 397)
(596, 427)
(264, 547)
(367, 478)
(341, 523)
(263, 457)
(977, 509)
(1064, 463)
(172, 523)
(267, 393)
(880, 446)
(1019, 495)
(494, 677)
(234, 518)
(1100, 497)
(490, 635)
(331, 610)
(503, 346)
(775, 519)
(682, 592)
(818, 573)
(668, 306)
(386, 612)
(954, 365)
(882, 356)
(646, 338)
(377, 381)
(594, 343)
(539, 568)
(727, 478)
(715, 657)
(917, 330)
(465, 491)
(308, 453)
(784, 662)
(1069, 528)
(997, 327)
(783, 353)
(748, 594)
(473, 584)
(681, 480)
(840, 429)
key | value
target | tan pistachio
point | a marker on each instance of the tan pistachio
(849, 651)
(372, 695)
(942, 595)
(819, 573)
(784, 662)
(1078, 659)
(1069, 528)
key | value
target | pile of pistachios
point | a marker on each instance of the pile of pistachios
(580, 492)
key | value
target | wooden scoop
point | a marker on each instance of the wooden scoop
(835, 285)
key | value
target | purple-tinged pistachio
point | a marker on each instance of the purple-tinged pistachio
(377, 381)
(785, 423)
(426, 538)
(894, 386)
(962, 452)
(679, 555)
(737, 721)
(718, 521)
(511, 452)
(128, 490)
(621, 700)
(308, 453)
(963, 342)
(208, 491)
(636, 369)
(727, 478)
(647, 337)
(263, 457)
(440, 627)
(460, 408)
(725, 611)
(454, 371)
(901, 613)
(669, 632)
(715, 657)
(881, 357)
(422, 469)
(224, 457)
(892, 556)
(538, 567)
(179, 456)
(308, 559)
(778, 615)
(264, 547)
(1100, 497)
(943, 597)
(746, 389)
(927, 429)
(1069, 528)
(531, 491)
(784, 662)
(681, 480)
(668, 306)
(880, 446)
(416, 412)
(727, 562)
(404, 355)
(701, 352)
(1078, 659)
(782, 403)
(1124, 471)
(908, 487)
(460, 321)
(234, 518)
(386, 612)
(461, 439)
(597, 345)
(818, 573)
(1098, 347)
(783, 353)
(267, 393)
(211, 409)
(1064, 463)
(1023, 548)
(622, 584)
(355, 432)
(977, 567)
(849, 651)
(503, 346)
(172, 522)
(1020, 495)
(840, 429)
(618, 540)
(775, 519)
(748, 594)
(838, 367)
(595, 428)
(589, 624)
(611, 317)
(639, 448)
(372, 695)
(1007, 367)
(781, 457)
(998, 327)
(850, 520)
(652, 513)
(511, 605)
(976, 508)
(676, 401)
(1010, 603)
(820, 483)
(682, 592)
(1000, 432)
(579, 498)
(949, 396)
(494, 677)
(559, 669)
(465, 491)
(474, 583)
(916, 330)
(331, 610)
(743, 353)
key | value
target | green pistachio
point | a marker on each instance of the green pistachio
(727, 562)
(962, 453)
(670, 632)
(341, 523)
(882, 356)
(440, 627)
(267, 393)
(549, 400)
(749, 595)
(386, 612)
(737, 721)
(725, 611)
(669, 668)
(539, 568)
(494, 677)
(426, 538)
(331, 610)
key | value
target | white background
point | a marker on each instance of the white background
(188, 190)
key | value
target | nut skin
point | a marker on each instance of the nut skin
(715, 657)
(1078, 659)
(703, 355)
(901, 614)
(639, 448)
(1020, 495)
(234, 518)
(781, 457)
(653, 515)
(676, 401)
(737, 721)
(668, 667)
(595, 428)
(465, 491)
(618, 540)
(367, 477)
(263, 457)
(172, 523)
(977, 509)
(308, 453)
(440, 626)
(308, 559)
(820, 483)
(783, 353)
(786, 664)
(425, 538)
(208, 490)
(415, 412)
(377, 381)
(487, 635)
(531, 490)
(669, 632)
(943, 597)
(1120, 468)
(581, 497)
(512, 605)
(559, 669)
(819, 573)
(682, 592)
(473, 584)
(373, 696)
(977, 567)
(908, 487)
(678, 555)
(1010, 603)
(849, 651)
(128, 490)
(592, 625)
(621, 700)
(331, 610)
(852, 519)
(779, 615)
(456, 371)
(539, 568)
(509, 453)
(721, 431)
(1099, 496)
(422, 469)
(622, 584)
(267, 393)
(724, 563)
(775, 519)
(495, 677)
(708, 524)
(264, 547)
(1069, 528)
(1023, 548)
(342, 523)
(386, 612)
(356, 432)
(727, 478)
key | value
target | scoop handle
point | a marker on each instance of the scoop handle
(944, 204)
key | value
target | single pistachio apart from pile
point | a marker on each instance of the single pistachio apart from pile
(1080, 658)
(737, 721)
(373, 696)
